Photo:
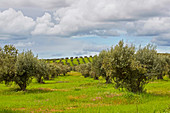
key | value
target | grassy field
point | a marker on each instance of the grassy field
(75, 94)
(72, 62)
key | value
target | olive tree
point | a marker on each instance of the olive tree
(8, 57)
(148, 56)
(84, 69)
(64, 69)
(167, 59)
(97, 68)
(58, 70)
(107, 66)
(121, 65)
(55, 70)
(25, 69)
(161, 66)
(41, 71)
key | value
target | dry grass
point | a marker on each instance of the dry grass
(113, 95)
(48, 89)
(76, 98)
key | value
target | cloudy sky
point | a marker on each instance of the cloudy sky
(64, 28)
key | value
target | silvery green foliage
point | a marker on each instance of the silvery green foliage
(84, 69)
(57, 69)
(167, 59)
(65, 69)
(42, 71)
(8, 57)
(25, 69)
(121, 65)
(97, 68)
(161, 66)
(147, 56)
(19, 68)
(53, 70)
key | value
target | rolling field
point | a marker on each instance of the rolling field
(75, 94)
(71, 61)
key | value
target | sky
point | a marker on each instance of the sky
(65, 28)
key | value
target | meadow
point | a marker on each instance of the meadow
(75, 94)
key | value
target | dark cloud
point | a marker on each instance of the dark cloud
(163, 40)
(57, 55)
(43, 4)
(95, 48)
(82, 53)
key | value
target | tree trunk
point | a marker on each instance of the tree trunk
(47, 78)
(96, 78)
(108, 80)
(160, 76)
(22, 86)
(40, 80)
(53, 76)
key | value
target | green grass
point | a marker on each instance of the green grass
(57, 61)
(86, 60)
(75, 94)
(64, 61)
(69, 61)
(90, 58)
(75, 61)
(81, 60)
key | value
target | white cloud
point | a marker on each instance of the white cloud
(94, 17)
(95, 48)
(151, 26)
(82, 18)
(80, 53)
(13, 22)
(86, 17)
(43, 24)
(105, 32)
(22, 44)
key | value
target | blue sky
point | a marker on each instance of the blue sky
(64, 28)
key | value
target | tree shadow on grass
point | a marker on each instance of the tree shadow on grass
(156, 93)
(159, 94)
(17, 91)
(44, 90)
(38, 90)
(55, 82)
(9, 111)
(49, 83)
